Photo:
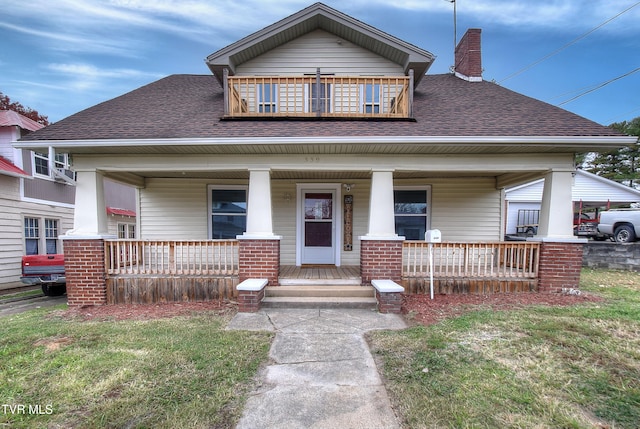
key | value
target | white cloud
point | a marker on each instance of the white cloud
(81, 77)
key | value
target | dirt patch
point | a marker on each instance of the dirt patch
(147, 311)
(420, 309)
(53, 344)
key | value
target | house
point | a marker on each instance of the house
(320, 141)
(37, 199)
(590, 194)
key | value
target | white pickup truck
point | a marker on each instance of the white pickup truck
(621, 224)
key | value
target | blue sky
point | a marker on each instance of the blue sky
(64, 58)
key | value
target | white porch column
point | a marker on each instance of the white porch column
(259, 209)
(90, 214)
(381, 209)
(556, 211)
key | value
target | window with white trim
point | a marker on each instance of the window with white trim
(35, 242)
(31, 235)
(227, 212)
(126, 230)
(41, 163)
(371, 97)
(267, 97)
(411, 211)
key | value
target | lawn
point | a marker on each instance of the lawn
(184, 371)
(534, 367)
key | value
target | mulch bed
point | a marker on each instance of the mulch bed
(419, 309)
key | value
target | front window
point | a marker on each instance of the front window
(31, 235)
(411, 212)
(228, 212)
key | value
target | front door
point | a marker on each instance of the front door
(317, 227)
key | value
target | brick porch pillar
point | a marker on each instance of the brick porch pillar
(381, 259)
(85, 271)
(259, 258)
(560, 265)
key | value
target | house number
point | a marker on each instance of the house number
(311, 159)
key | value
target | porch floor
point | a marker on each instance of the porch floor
(319, 272)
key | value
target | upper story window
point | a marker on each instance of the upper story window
(320, 100)
(371, 98)
(411, 210)
(41, 163)
(267, 97)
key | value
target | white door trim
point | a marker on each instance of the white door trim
(337, 223)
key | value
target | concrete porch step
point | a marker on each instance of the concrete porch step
(320, 282)
(304, 296)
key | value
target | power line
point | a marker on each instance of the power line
(600, 86)
(522, 70)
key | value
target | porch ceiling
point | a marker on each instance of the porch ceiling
(503, 178)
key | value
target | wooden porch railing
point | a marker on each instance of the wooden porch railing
(208, 257)
(318, 96)
(472, 260)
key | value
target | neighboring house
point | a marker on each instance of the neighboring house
(590, 194)
(320, 140)
(37, 202)
(36, 206)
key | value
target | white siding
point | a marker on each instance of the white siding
(12, 226)
(319, 49)
(512, 214)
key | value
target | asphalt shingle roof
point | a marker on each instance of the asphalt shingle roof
(191, 106)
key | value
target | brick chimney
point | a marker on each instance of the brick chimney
(468, 56)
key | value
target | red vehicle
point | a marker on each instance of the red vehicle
(46, 271)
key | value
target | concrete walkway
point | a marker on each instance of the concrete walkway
(321, 374)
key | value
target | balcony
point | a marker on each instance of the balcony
(318, 96)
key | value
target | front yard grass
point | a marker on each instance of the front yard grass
(541, 367)
(162, 373)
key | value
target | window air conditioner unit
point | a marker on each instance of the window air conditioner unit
(69, 175)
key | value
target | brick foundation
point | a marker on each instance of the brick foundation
(381, 259)
(85, 272)
(259, 259)
(560, 265)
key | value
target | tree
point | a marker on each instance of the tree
(621, 165)
(7, 104)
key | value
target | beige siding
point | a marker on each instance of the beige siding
(319, 49)
(463, 209)
(466, 209)
(174, 209)
(12, 226)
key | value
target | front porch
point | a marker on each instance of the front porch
(144, 271)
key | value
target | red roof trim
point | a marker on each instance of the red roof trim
(120, 212)
(8, 168)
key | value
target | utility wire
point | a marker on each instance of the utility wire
(522, 70)
(600, 86)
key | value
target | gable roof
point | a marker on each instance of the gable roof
(321, 16)
(451, 116)
(10, 118)
(8, 168)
